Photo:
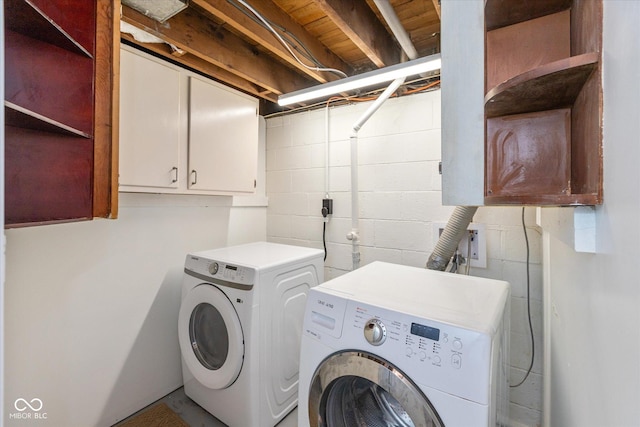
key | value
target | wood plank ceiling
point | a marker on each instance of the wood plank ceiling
(226, 41)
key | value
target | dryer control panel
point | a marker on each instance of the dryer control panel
(208, 269)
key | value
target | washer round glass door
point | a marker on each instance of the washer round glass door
(359, 389)
(210, 336)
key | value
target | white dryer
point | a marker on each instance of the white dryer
(390, 345)
(239, 329)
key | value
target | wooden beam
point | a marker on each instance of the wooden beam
(105, 143)
(362, 26)
(206, 68)
(436, 5)
(192, 32)
(232, 16)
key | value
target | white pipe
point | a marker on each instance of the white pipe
(326, 152)
(353, 235)
(377, 103)
(389, 15)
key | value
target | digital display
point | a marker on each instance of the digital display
(425, 331)
(231, 267)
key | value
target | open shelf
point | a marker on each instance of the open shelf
(29, 20)
(18, 116)
(551, 86)
(501, 13)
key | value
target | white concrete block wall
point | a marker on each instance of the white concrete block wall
(399, 200)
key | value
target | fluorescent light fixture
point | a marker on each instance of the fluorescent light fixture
(387, 74)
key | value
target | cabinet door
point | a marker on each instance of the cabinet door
(149, 122)
(223, 139)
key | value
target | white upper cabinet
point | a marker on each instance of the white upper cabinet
(223, 130)
(150, 129)
(182, 133)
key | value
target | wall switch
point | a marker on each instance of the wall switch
(475, 239)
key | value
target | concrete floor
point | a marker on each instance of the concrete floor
(195, 416)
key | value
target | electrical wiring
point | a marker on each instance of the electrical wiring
(324, 240)
(533, 348)
(421, 88)
(284, 43)
(372, 98)
(287, 34)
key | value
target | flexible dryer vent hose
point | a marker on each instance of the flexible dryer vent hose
(453, 232)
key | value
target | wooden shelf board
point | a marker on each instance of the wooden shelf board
(502, 13)
(590, 199)
(18, 116)
(44, 222)
(25, 18)
(551, 86)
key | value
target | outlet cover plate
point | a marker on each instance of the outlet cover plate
(478, 244)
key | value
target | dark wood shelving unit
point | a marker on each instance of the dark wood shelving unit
(543, 102)
(54, 84)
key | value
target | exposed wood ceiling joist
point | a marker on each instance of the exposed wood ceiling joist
(362, 27)
(221, 39)
(233, 16)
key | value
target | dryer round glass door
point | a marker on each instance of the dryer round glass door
(360, 389)
(210, 336)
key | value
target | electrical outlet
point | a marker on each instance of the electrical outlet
(327, 207)
(475, 240)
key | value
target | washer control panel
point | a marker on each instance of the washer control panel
(212, 269)
(442, 355)
(448, 357)
(438, 345)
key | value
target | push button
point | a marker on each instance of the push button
(456, 361)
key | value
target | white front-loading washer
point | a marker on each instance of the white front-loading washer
(391, 345)
(240, 326)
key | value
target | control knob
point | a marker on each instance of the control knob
(375, 332)
(213, 268)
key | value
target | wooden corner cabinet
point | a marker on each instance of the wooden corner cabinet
(59, 111)
(542, 102)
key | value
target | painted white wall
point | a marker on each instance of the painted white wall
(91, 307)
(400, 199)
(593, 300)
